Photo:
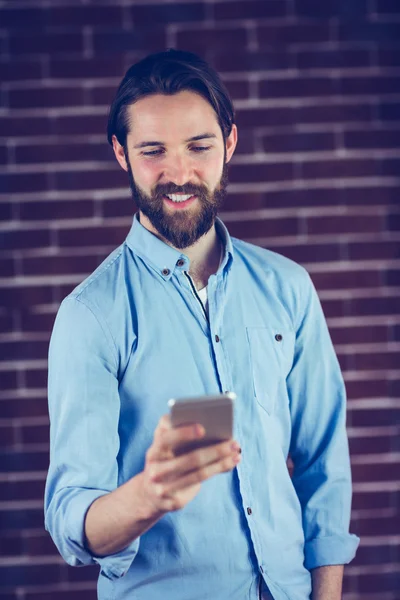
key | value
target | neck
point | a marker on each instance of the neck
(204, 255)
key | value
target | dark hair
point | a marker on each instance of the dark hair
(169, 72)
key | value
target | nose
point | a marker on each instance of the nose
(178, 170)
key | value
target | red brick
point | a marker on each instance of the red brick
(89, 180)
(23, 350)
(370, 85)
(46, 97)
(297, 87)
(37, 545)
(374, 306)
(93, 236)
(334, 280)
(377, 360)
(387, 7)
(23, 407)
(334, 308)
(22, 182)
(167, 13)
(50, 210)
(17, 126)
(263, 117)
(249, 173)
(373, 250)
(26, 70)
(263, 227)
(200, 40)
(380, 525)
(372, 445)
(64, 152)
(25, 296)
(8, 380)
(367, 388)
(379, 582)
(334, 113)
(78, 16)
(251, 9)
(365, 334)
(373, 500)
(390, 166)
(330, 8)
(298, 142)
(344, 224)
(7, 436)
(30, 238)
(379, 138)
(238, 90)
(332, 59)
(10, 545)
(6, 320)
(117, 41)
(45, 43)
(388, 57)
(379, 195)
(389, 110)
(35, 434)
(287, 34)
(7, 267)
(374, 417)
(393, 221)
(11, 575)
(36, 378)
(225, 61)
(32, 489)
(3, 160)
(309, 252)
(324, 196)
(22, 18)
(37, 321)
(60, 265)
(118, 207)
(340, 167)
(380, 31)
(80, 125)
(375, 555)
(86, 594)
(66, 68)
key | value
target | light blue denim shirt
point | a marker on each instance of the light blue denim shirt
(133, 335)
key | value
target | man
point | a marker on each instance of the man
(182, 309)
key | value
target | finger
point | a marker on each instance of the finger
(202, 474)
(167, 440)
(176, 467)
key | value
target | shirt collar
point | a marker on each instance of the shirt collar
(163, 257)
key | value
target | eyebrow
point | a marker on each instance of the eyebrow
(202, 136)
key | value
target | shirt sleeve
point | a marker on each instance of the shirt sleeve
(84, 409)
(319, 445)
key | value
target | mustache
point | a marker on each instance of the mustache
(187, 188)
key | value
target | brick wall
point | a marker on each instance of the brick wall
(316, 177)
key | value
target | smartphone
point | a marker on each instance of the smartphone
(214, 412)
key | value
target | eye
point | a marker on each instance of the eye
(200, 148)
(153, 152)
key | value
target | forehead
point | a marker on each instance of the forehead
(163, 117)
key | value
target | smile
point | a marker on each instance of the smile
(179, 200)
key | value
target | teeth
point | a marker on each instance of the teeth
(178, 197)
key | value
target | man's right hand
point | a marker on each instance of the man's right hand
(170, 478)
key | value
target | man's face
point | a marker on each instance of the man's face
(176, 160)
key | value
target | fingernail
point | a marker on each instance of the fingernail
(235, 446)
(199, 430)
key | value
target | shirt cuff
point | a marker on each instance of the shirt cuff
(332, 550)
(112, 566)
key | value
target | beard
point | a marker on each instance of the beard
(182, 227)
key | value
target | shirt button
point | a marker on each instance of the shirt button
(166, 272)
(278, 337)
(249, 511)
(217, 338)
(180, 262)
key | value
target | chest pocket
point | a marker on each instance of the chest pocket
(271, 357)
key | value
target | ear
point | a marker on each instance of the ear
(119, 153)
(231, 142)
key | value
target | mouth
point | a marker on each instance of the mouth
(179, 201)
